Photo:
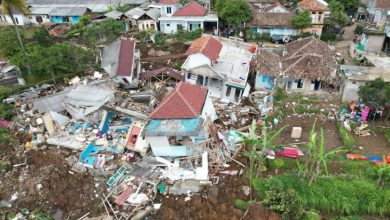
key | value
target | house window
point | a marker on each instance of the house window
(1, 18)
(189, 76)
(299, 83)
(169, 10)
(353, 82)
(65, 19)
(319, 16)
(228, 90)
(16, 20)
(168, 25)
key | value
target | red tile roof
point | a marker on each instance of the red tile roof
(384, 4)
(206, 45)
(191, 9)
(312, 5)
(169, 2)
(126, 57)
(185, 101)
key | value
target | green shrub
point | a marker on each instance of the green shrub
(359, 29)
(279, 95)
(326, 36)
(182, 35)
(301, 109)
(241, 204)
(329, 194)
(346, 137)
(284, 202)
(278, 163)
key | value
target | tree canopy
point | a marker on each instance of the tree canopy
(8, 6)
(338, 15)
(234, 12)
(375, 93)
(302, 19)
(103, 32)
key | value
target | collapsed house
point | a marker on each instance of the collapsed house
(9, 74)
(222, 65)
(122, 61)
(177, 125)
(307, 64)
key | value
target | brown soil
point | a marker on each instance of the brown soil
(214, 202)
(372, 145)
(375, 144)
(176, 57)
(61, 189)
(331, 136)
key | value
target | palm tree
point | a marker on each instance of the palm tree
(8, 7)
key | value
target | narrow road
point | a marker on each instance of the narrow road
(343, 45)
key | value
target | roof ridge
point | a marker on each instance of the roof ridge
(168, 97)
(186, 102)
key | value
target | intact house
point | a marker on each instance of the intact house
(274, 19)
(220, 64)
(177, 126)
(144, 19)
(306, 65)
(190, 17)
(356, 76)
(261, 3)
(122, 62)
(67, 15)
(319, 10)
(20, 19)
(39, 15)
(372, 40)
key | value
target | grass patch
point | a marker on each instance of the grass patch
(241, 204)
(346, 137)
(301, 109)
(336, 195)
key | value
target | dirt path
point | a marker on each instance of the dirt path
(343, 46)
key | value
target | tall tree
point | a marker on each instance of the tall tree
(234, 12)
(337, 15)
(8, 8)
(302, 20)
(376, 93)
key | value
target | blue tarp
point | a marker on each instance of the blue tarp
(88, 156)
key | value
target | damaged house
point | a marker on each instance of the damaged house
(176, 127)
(308, 64)
(122, 62)
(220, 64)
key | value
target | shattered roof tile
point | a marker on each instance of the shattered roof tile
(185, 101)
(206, 45)
(169, 2)
(384, 4)
(167, 70)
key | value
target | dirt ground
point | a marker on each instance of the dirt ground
(214, 202)
(45, 182)
(372, 145)
(174, 59)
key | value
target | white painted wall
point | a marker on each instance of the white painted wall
(144, 25)
(33, 18)
(19, 19)
(174, 8)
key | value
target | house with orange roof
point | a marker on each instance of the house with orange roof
(177, 125)
(189, 17)
(318, 9)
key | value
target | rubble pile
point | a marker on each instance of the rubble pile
(91, 134)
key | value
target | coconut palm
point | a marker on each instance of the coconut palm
(8, 8)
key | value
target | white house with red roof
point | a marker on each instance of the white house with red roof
(220, 64)
(177, 125)
(122, 62)
(189, 17)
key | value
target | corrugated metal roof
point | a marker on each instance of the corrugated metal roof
(40, 10)
(68, 11)
(114, 14)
